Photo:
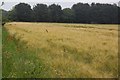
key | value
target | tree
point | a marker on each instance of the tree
(81, 12)
(12, 15)
(40, 12)
(55, 13)
(101, 13)
(4, 15)
(68, 15)
(119, 14)
(23, 12)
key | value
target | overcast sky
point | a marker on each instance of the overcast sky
(64, 3)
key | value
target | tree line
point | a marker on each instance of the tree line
(78, 13)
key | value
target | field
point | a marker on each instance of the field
(58, 50)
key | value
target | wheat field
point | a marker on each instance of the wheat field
(71, 50)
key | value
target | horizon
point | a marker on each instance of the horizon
(9, 5)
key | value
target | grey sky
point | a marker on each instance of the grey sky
(64, 3)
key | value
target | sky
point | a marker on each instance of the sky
(9, 4)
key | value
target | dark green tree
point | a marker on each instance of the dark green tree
(68, 15)
(4, 15)
(40, 12)
(55, 13)
(23, 12)
(12, 15)
(104, 13)
(81, 12)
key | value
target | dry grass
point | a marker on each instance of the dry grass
(72, 50)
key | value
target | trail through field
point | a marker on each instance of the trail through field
(72, 50)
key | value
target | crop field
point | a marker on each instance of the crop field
(60, 50)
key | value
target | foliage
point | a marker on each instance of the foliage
(81, 12)
(17, 60)
(55, 13)
(4, 15)
(23, 12)
(12, 16)
(40, 12)
(78, 13)
(68, 15)
(67, 50)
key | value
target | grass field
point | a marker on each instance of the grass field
(58, 50)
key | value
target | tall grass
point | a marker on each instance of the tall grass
(18, 61)
(67, 51)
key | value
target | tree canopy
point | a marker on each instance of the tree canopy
(55, 13)
(40, 12)
(23, 12)
(78, 13)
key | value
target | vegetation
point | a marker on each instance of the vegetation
(18, 61)
(0, 51)
(60, 50)
(40, 13)
(23, 12)
(78, 13)
(0, 44)
(3, 16)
